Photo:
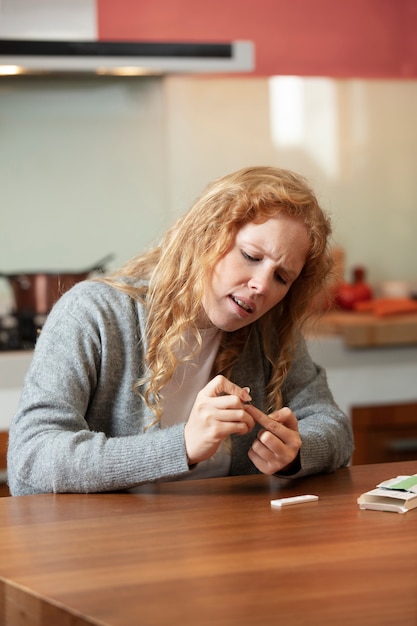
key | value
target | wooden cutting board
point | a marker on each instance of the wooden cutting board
(368, 330)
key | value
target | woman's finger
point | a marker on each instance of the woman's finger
(222, 386)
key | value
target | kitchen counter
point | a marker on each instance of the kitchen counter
(358, 373)
(359, 330)
(366, 377)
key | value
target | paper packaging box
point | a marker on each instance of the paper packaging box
(397, 495)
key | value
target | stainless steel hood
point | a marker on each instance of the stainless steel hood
(123, 58)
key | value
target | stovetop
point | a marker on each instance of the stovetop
(20, 331)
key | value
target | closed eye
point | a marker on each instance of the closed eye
(248, 257)
(281, 279)
(253, 259)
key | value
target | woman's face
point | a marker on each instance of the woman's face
(256, 272)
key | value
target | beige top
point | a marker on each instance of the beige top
(179, 397)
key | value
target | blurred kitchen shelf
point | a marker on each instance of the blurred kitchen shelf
(360, 330)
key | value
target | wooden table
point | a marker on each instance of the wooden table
(211, 552)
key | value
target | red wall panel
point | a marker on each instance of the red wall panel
(354, 38)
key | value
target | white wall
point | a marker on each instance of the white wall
(367, 376)
(92, 166)
(82, 171)
(355, 140)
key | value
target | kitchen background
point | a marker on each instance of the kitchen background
(96, 165)
(91, 166)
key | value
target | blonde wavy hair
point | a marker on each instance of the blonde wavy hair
(177, 270)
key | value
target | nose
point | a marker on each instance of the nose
(260, 281)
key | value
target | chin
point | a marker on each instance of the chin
(232, 327)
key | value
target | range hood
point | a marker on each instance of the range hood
(125, 58)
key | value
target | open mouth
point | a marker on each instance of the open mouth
(243, 305)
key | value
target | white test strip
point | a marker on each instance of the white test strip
(293, 500)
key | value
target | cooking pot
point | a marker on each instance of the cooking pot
(35, 293)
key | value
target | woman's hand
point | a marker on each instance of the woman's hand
(218, 411)
(278, 442)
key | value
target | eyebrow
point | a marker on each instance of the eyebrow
(291, 275)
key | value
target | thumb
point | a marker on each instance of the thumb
(222, 386)
(284, 416)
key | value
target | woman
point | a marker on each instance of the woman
(189, 362)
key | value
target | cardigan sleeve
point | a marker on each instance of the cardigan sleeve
(326, 432)
(80, 427)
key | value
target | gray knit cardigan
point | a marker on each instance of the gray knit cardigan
(81, 428)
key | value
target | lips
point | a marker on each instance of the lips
(243, 304)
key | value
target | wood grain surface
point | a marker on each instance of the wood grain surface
(211, 552)
(360, 330)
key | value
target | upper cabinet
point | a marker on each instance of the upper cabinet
(351, 39)
(354, 39)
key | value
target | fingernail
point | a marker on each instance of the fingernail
(247, 389)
